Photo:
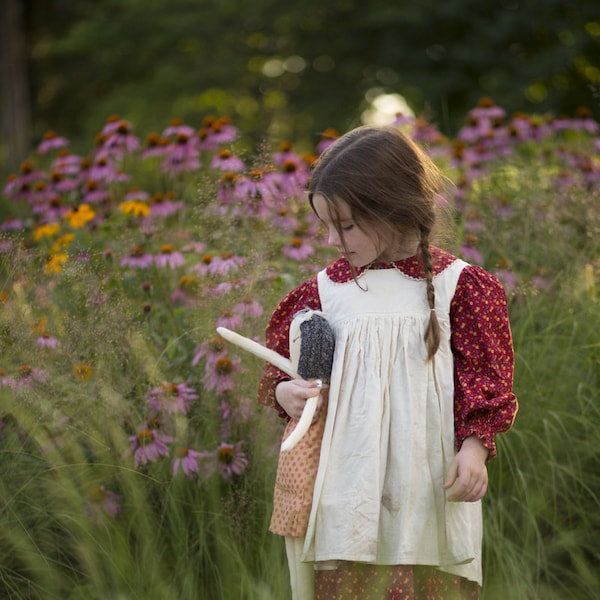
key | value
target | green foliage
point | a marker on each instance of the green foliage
(145, 60)
(80, 518)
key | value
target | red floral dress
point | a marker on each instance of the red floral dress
(484, 405)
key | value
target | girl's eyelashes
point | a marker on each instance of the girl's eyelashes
(348, 227)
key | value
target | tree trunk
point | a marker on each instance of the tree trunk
(15, 124)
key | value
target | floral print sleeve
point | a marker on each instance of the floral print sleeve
(277, 337)
(484, 403)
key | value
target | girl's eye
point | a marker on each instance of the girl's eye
(348, 227)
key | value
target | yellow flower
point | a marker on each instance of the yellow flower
(80, 215)
(62, 242)
(47, 230)
(135, 208)
(40, 325)
(54, 263)
(82, 371)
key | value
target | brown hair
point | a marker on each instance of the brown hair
(391, 186)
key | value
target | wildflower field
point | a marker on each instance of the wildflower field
(135, 461)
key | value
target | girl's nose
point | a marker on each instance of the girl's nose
(334, 237)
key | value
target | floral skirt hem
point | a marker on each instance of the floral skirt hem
(357, 581)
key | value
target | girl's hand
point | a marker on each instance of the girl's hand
(292, 396)
(467, 474)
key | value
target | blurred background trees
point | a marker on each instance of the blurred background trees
(286, 70)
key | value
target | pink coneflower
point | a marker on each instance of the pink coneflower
(213, 349)
(291, 180)
(328, 137)
(120, 139)
(224, 160)
(186, 292)
(102, 502)
(231, 460)
(51, 141)
(138, 259)
(582, 121)
(148, 445)
(508, 279)
(11, 224)
(197, 247)
(297, 249)
(202, 268)
(59, 183)
(171, 398)
(181, 156)
(27, 377)
(224, 263)
(93, 192)
(487, 109)
(219, 376)
(215, 132)
(255, 191)
(163, 206)
(45, 340)
(169, 257)
(469, 251)
(155, 146)
(248, 308)
(19, 186)
(67, 164)
(178, 127)
(187, 460)
(229, 319)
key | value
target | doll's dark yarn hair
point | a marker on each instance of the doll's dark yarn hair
(316, 347)
(392, 187)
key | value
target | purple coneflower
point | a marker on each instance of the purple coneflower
(178, 127)
(51, 141)
(102, 502)
(224, 263)
(229, 319)
(219, 375)
(66, 164)
(148, 445)
(171, 398)
(215, 132)
(163, 206)
(93, 192)
(181, 155)
(187, 459)
(297, 249)
(27, 377)
(248, 308)
(169, 257)
(226, 161)
(45, 340)
(138, 259)
(11, 224)
(231, 460)
(213, 349)
(328, 137)
(120, 139)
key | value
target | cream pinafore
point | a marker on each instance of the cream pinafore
(389, 433)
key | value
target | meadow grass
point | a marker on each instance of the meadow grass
(85, 513)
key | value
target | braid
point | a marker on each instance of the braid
(432, 333)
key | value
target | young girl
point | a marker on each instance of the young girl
(421, 384)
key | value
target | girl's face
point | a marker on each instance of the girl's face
(359, 246)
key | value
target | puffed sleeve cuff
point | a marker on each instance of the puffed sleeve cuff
(277, 338)
(484, 404)
(266, 389)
